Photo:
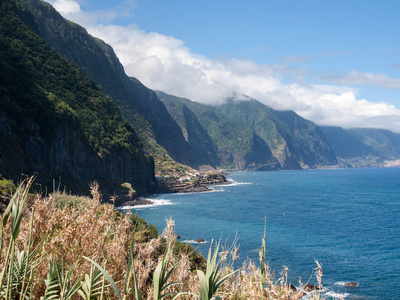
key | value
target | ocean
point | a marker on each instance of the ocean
(348, 219)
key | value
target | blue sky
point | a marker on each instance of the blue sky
(334, 62)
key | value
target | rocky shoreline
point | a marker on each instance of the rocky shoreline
(135, 202)
(198, 185)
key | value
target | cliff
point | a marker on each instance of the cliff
(296, 143)
(363, 147)
(97, 103)
(234, 144)
(54, 121)
(139, 105)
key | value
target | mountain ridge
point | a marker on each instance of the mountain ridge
(139, 105)
(236, 145)
(364, 147)
(293, 148)
(55, 121)
(239, 134)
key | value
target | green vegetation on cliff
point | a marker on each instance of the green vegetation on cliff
(235, 144)
(294, 141)
(194, 133)
(139, 105)
(48, 104)
(61, 86)
(363, 147)
(64, 79)
(384, 142)
(250, 135)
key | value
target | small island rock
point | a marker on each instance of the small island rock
(311, 287)
(351, 283)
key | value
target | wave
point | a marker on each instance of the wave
(311, 294)
(154, 202)
(216, 190)
(235, 183)
(337, 295)
(194, 242)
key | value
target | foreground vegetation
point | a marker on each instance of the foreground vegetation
(67, 247)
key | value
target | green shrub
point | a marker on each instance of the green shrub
(63, 200)
(139, 224)
(6, 186)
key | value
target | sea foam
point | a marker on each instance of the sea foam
(194, 242)
(337, 295)
(154, 202)
(235, 183)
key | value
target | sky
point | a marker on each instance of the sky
(336, 62)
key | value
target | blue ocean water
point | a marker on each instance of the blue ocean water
(348, 219)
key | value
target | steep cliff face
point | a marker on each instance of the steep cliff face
(139, 105)
(344, 144)
(195, 134)
(64, 155)
(234, 144)
(295, 142)
(68, 158)
(54, 121)
(153, 122)
(384, 142)
(363, 147)
(266, 125)
(310, 146)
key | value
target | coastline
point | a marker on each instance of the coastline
(199, 186)
(174, 187)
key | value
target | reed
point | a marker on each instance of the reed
(83, 249)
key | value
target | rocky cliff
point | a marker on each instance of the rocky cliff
(54, 121)
(139, 105)
(234, 144)
(237, 134)
(295, 142)
(363, 147)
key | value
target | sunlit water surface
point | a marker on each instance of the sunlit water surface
(348, 219)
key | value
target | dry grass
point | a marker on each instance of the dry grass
(66, 233)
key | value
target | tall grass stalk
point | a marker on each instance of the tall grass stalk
(25, 286)
(67, 289)
(263, 272)
(51, 283)
(15, 284)
(211, 280)
(162, 275)
(128, 279)
(115, 265)
(126, 290)
(92, 282)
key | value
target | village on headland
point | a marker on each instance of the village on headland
(176, 181)
(176, 178)
(391, 163)
(191, 181)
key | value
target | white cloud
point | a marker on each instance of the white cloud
(73, 11)
(67, 7)
(357, 78)
(165, 63)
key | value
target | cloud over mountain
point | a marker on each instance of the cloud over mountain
(165, 63)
